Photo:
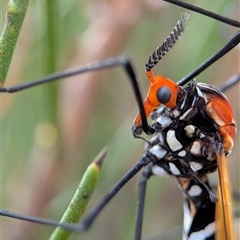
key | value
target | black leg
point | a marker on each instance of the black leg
(230, 82)
(94, 66)
(234, 41)
(146, 174)
(204, 12)
(88, 220)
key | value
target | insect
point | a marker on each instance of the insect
(121, 158)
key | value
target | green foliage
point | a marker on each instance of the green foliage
(14, 18)
(81, 198)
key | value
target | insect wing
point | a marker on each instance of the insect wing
(224, 212)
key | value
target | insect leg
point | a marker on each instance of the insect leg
(234, 41)
(146, 174)
(204, 12)
(230, 82)
(94, 66)
(88, 220)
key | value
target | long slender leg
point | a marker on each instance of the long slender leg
(88, 220)
(94, 66)
(86, 223)
(234, 41)
(146, 174)
(230, 82)
(204, 12)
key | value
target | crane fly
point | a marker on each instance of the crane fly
(197, 180)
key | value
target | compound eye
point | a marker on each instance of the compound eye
(163, 95)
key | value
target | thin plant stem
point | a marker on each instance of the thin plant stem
(16, 12)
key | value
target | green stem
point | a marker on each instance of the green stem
(15, 15)
(81, 197)
(50, 53)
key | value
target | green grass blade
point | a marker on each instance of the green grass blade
(81, 197)
(15, 15)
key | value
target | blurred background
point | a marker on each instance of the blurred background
(52, 132)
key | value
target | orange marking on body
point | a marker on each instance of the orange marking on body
(151, 102)
(220, 110)
(228, 132)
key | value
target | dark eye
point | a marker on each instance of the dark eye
(163, 95)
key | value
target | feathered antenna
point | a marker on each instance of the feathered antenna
(168, 43)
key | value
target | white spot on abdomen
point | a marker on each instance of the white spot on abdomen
(195, 166)
(174, 169)
(190, 129)
(182, 153)
(195, 149)
(158, 151)
(158, 171)
(194, 191)
(208, 231)
(173, 143)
